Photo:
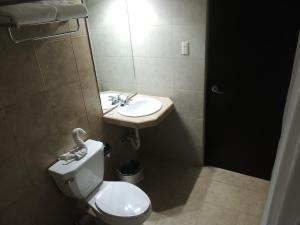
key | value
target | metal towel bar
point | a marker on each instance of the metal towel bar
(17, 41)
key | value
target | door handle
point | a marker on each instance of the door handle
(215, 89)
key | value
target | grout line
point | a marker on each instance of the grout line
(81, 85)
(39, 66)
(47, 89)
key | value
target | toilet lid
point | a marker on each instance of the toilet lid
(122, 199)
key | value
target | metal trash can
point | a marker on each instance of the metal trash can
(131, 171)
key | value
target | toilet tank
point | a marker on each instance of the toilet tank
(79, 178)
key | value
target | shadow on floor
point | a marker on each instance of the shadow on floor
(169, 184)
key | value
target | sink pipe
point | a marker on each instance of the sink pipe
(134, 139)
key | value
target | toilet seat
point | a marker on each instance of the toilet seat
(120, 203)
(121, 199)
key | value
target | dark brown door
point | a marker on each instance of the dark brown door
(249, 62)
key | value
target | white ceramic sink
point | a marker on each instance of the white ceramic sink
(140, 106)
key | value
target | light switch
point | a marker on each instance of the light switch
(185, 48)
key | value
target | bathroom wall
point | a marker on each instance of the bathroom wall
(157, 28)
(47, 88)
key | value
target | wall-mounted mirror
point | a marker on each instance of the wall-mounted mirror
(137, 47)
(109, 32)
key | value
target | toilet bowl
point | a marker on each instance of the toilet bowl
(119, 203)
(113, 202)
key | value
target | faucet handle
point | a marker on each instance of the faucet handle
(114, 99)
(124, 101)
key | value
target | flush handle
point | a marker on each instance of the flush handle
(215, 89)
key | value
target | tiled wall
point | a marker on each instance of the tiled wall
(157, 28)
(47, 88)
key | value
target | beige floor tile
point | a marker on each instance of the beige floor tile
(202, 183)
(224, 195)
(210, 196)
(174, 206)
(197, 197)
(153, 219)
(162, 199)
(211, 214)
(252, 202)
(207, 171)
(245, 219)
(257, 184)
(229, 177)
(189, 218)
(234, 179)
(189, 201)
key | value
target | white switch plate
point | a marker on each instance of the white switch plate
(185, 48)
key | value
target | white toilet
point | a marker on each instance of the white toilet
(115, 203)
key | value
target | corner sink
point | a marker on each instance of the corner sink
(140, 106)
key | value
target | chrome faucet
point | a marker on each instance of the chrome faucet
(125, 102)
(117, 99)
(114, 99)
